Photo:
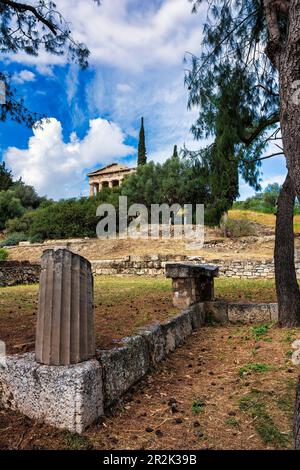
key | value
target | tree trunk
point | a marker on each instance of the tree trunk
(284, 52)
(288, 64)
(287, 288)
(297, 419)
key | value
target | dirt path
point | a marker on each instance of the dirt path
(226, 388)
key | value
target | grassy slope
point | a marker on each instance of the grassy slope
(261, 218)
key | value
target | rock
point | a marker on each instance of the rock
(296, 344)
(296, 357)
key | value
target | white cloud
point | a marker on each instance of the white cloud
(58, 169)
(24, 76)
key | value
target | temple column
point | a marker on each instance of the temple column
(65, 322)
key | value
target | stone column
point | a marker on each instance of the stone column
(92, 190)
(65, 323)
(110, 184)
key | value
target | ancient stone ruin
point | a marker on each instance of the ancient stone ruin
(192, 283)
(65, 323)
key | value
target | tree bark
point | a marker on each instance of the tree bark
(287, 288)
(297, 419)
(284, 52)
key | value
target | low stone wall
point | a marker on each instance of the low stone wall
(73, 397)
(19, 272)
(155, 266)
(25, 272)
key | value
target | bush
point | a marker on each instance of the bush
(14, 238)
(235, 228)
(37, 238)
(10, 207)
(3, 254)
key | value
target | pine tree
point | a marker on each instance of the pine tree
(175, 152)
(142, 153)
(251, 53)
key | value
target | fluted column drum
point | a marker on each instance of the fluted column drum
(65, 323)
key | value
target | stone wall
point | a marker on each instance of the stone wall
(25, 272)
(155, 266)
(19, 272)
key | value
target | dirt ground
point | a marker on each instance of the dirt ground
(122, 305)
(226, 388)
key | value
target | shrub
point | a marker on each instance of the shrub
(37, 238)
(3, 254)
(14, 238)
(235, 228)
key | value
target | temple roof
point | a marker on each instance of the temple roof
(112, 168)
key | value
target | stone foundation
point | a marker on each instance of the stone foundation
(67, 397)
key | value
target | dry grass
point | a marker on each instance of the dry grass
(261, 218)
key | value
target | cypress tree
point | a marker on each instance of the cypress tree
(175, 152)
(142, 153)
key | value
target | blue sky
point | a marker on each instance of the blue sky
(136, 69)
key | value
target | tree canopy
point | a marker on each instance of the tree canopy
(29, 28)
(235, 86)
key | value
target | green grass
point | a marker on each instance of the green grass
(254, 404)
(259, 331)
(231, 422)
(197, 405)
(76, 442)
(254, 367)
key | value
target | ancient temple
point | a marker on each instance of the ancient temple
(109, 176)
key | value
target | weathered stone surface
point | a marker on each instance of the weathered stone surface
(19, 272)
(190, 270)
(156, 342)
(123, 366)
(248, 313)
(274, 312)
(216, 311)
(197, 315)
(67, 397)
(176, 330)
(296, 344)
(65, 322)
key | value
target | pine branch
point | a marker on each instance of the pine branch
(22, 8)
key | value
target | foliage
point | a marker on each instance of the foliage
(10, 207)
(3, 254)
(27, 195)
(235, 87)
(259, 331)
(68, 218)
(5, 177)
(197, 405)
(177, 180)
(256, 367)
(29, 28)
(14, 239)
(235, 228)
(142, 153)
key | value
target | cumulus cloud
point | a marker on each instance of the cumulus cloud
(57, 168)
(23, 76)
